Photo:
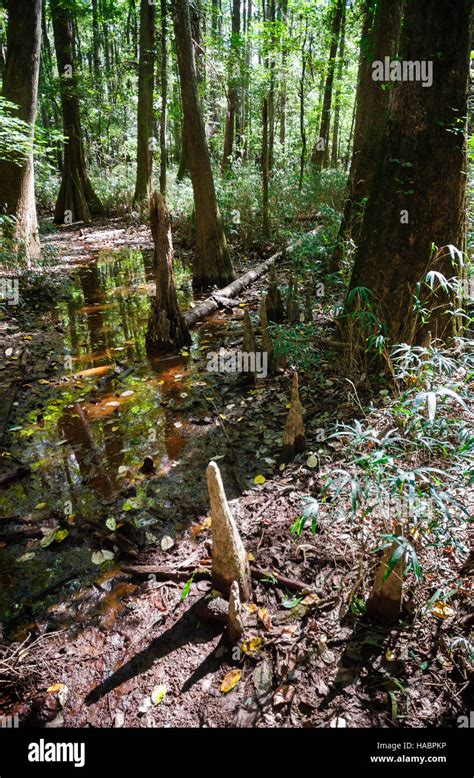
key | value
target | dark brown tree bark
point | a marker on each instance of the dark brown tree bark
(164, 99)
(233, 88)
(320, 153)
(167, 330)
(76, 199)
(20, 86)
(380, 39)
(417, 198)
(265, 170)
(146, 80)
(212, 264)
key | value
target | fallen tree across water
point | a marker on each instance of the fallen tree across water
(212, 303)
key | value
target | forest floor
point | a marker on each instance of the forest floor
(109, 647)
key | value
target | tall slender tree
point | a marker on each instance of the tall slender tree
(320, 153)
(212, 263)
(146, 80)
(164, 97)
(233, 85)
(20, 86)
(76, 199)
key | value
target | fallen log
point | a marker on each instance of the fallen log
(166, 574)
(212, 303)
(14, 475)
(203, 574)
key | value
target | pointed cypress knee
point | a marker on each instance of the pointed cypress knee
(229, 558)
(167, 329)
(267, 343)
(292, 304)
(274, 303)
(308, 305)
(249, 344)
(385, 601)
(294, 440)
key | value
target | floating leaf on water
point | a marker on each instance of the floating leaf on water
(26, 557)
(99, 557)
(230, 680)
(292, 603)
(48, 539)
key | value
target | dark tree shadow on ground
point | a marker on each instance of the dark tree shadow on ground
(183, 632)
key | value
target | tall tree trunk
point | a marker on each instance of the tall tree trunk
(164, 99)
(96, 42)
(302, 101)
(20, 86)
(246, 113)
(417, 198)
(380, 39)
(233, 87)
(283, 10)
(271, 90)
(265, 170)
(320, 153)
(337, 100)
(212, 264)
(76, 199)
(146, 80)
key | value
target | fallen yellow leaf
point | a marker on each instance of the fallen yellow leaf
(264, 617)
(158, 694)
(259, 479)
(230, 680)
(252, 646)
(56, 687)
(442, 610)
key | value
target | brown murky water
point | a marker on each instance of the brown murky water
(112, 408)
